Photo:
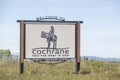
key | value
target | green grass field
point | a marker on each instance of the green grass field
(90, 70)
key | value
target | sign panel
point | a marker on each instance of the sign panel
(50, 40)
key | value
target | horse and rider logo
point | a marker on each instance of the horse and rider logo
(51, 37)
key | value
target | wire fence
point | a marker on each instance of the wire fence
(16, 58)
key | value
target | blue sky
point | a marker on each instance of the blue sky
(100, 32)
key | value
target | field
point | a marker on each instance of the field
(90, 70)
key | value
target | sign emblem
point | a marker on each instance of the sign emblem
(51, 49)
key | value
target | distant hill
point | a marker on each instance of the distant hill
(102, 59)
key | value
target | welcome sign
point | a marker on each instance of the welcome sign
(50, 40)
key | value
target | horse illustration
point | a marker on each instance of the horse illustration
(50, 37)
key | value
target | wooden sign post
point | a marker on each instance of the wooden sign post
(22, 47)
(78, 47)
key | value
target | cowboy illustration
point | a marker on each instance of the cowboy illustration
(51, 33)
(51, 37)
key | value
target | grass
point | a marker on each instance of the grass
(90, 70)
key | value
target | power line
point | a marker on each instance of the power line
(42, 7)
(28, 6)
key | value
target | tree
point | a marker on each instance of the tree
(5, 53)
(85, 58)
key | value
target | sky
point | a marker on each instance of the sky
(100, 32)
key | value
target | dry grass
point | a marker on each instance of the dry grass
(90, 70)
